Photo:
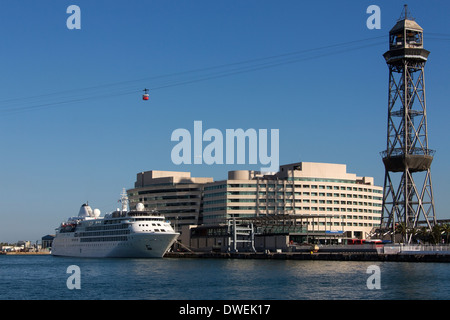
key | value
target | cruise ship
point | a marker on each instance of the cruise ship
(123, 233)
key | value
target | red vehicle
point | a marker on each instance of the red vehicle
(355, 241)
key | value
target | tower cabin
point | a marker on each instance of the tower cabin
(406, 29)
(406, 42)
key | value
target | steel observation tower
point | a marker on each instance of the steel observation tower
(408, 191)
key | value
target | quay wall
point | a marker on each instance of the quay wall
(329, 256)
(18, 253)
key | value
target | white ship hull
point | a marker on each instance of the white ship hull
(120, 234)
(140, 245)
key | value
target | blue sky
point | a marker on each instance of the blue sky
(73, 126)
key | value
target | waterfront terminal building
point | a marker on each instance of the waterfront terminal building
(303, 202)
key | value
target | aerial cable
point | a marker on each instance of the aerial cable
(247, 66)
(170, 75)
(195, 75)
(264, 65)
(257, 67)
(16, 105)
(11, 111)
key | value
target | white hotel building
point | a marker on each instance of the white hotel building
(324, 196)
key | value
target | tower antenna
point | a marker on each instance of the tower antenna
(406, 14)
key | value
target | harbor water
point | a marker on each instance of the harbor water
(47, 278)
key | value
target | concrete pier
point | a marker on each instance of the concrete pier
(328, 256)
(18, 253)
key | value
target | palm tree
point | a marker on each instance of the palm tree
(446, 230)
(412, 232)
(401, 228)
(423, 234)
(436, 232)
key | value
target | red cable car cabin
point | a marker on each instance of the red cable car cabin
(145, 96)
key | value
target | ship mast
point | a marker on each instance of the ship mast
(124, 200)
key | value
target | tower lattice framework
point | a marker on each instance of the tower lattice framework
(408, 191)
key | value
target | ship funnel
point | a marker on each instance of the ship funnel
(85, 211)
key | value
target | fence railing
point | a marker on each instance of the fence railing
(402, 248)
